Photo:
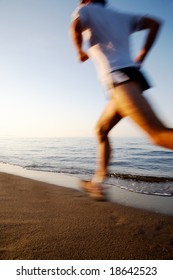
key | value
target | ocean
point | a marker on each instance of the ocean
(136, 165)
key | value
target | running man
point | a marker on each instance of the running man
(109, 48)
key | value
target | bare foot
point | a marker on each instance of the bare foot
(94, 190)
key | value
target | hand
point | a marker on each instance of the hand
(82, 56)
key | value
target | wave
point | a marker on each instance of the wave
(150, 185)
(141, 178)
(144, 184)
(150, 191)
(83, 171)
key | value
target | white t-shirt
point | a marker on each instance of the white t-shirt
(108, 38)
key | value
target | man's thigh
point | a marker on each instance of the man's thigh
(130, 102)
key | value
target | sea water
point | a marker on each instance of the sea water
(136, 164)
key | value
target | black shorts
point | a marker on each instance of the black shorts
(127, 74)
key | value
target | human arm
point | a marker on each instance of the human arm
(76, 35)
(153, 27)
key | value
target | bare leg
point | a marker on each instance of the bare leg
(107, 121)
(127, 100)
(131, 103)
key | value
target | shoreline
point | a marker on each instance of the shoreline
(158, 204)
(41, 221)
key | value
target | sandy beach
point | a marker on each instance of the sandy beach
(40, 221)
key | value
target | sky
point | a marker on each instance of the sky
(46, 92)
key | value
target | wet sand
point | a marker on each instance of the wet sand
(40, 221)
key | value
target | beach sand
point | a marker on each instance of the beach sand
(40, 221)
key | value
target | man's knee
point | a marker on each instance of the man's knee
(101, 132)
